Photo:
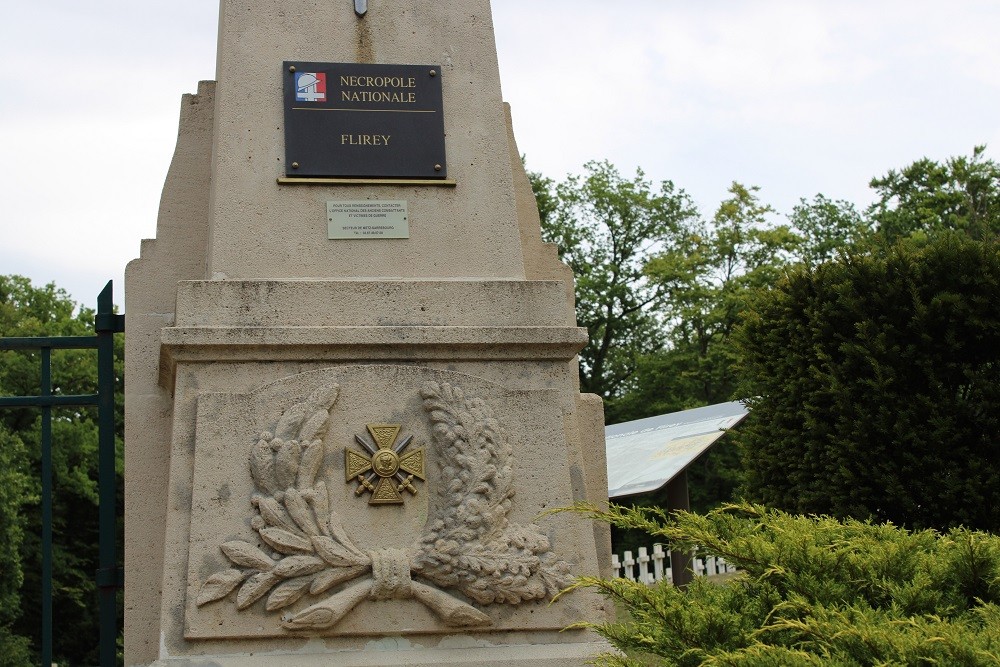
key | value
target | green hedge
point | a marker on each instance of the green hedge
(876, 385)
(813, 591)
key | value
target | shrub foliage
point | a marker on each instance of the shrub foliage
(876, 385)
(813, 591)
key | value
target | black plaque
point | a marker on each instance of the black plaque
(346, 120)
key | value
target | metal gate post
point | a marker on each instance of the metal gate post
(45, 392)
(106, 325)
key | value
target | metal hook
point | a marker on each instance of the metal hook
(360, 7)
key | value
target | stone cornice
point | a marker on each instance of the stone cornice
(196, 344)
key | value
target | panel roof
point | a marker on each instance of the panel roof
(645, 454)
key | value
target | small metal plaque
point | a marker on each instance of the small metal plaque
(367, 219)
(348, 120)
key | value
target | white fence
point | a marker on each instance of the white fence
(638, 568)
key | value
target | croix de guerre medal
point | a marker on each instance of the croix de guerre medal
(388, 469)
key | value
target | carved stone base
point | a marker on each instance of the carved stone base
(370, 483)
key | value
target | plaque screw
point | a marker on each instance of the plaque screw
(437, 167)
(434, 72)
(291, 68)
(295, 165)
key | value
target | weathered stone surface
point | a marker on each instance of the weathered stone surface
(178, 253)
(467, 231)
(529, 423)
(244, 543)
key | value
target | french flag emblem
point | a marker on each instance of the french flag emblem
(310, 87)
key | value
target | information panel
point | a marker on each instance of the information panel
(367, 219)
(347, 120)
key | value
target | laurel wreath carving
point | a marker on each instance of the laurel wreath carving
(468, 544)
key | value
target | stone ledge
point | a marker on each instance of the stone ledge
(364, 302)
(364, 343)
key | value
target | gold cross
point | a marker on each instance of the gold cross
(386, 461)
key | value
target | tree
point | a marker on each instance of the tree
(543, 188)
(707, 273)
(814, 591)
(15, 489)
(679, 297)
(827, 228)
(874, 383)
(681, 353)
(26, 310)
(712, 271)
(606, 227)
(928, 197)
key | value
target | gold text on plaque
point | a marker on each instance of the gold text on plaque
(388, 469)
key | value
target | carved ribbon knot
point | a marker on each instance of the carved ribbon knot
(390, 580)
(391, 575)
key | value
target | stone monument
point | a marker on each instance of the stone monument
(351, 375)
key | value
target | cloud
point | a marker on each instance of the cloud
(796, 96)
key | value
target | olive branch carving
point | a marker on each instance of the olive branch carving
(293, 518)
(468, 544)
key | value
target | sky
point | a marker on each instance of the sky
(798, 97)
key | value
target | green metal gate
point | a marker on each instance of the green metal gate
(109, 576)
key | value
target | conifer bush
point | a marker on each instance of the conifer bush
(874, 387)
(812, 591)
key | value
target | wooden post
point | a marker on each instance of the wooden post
(677, 499)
